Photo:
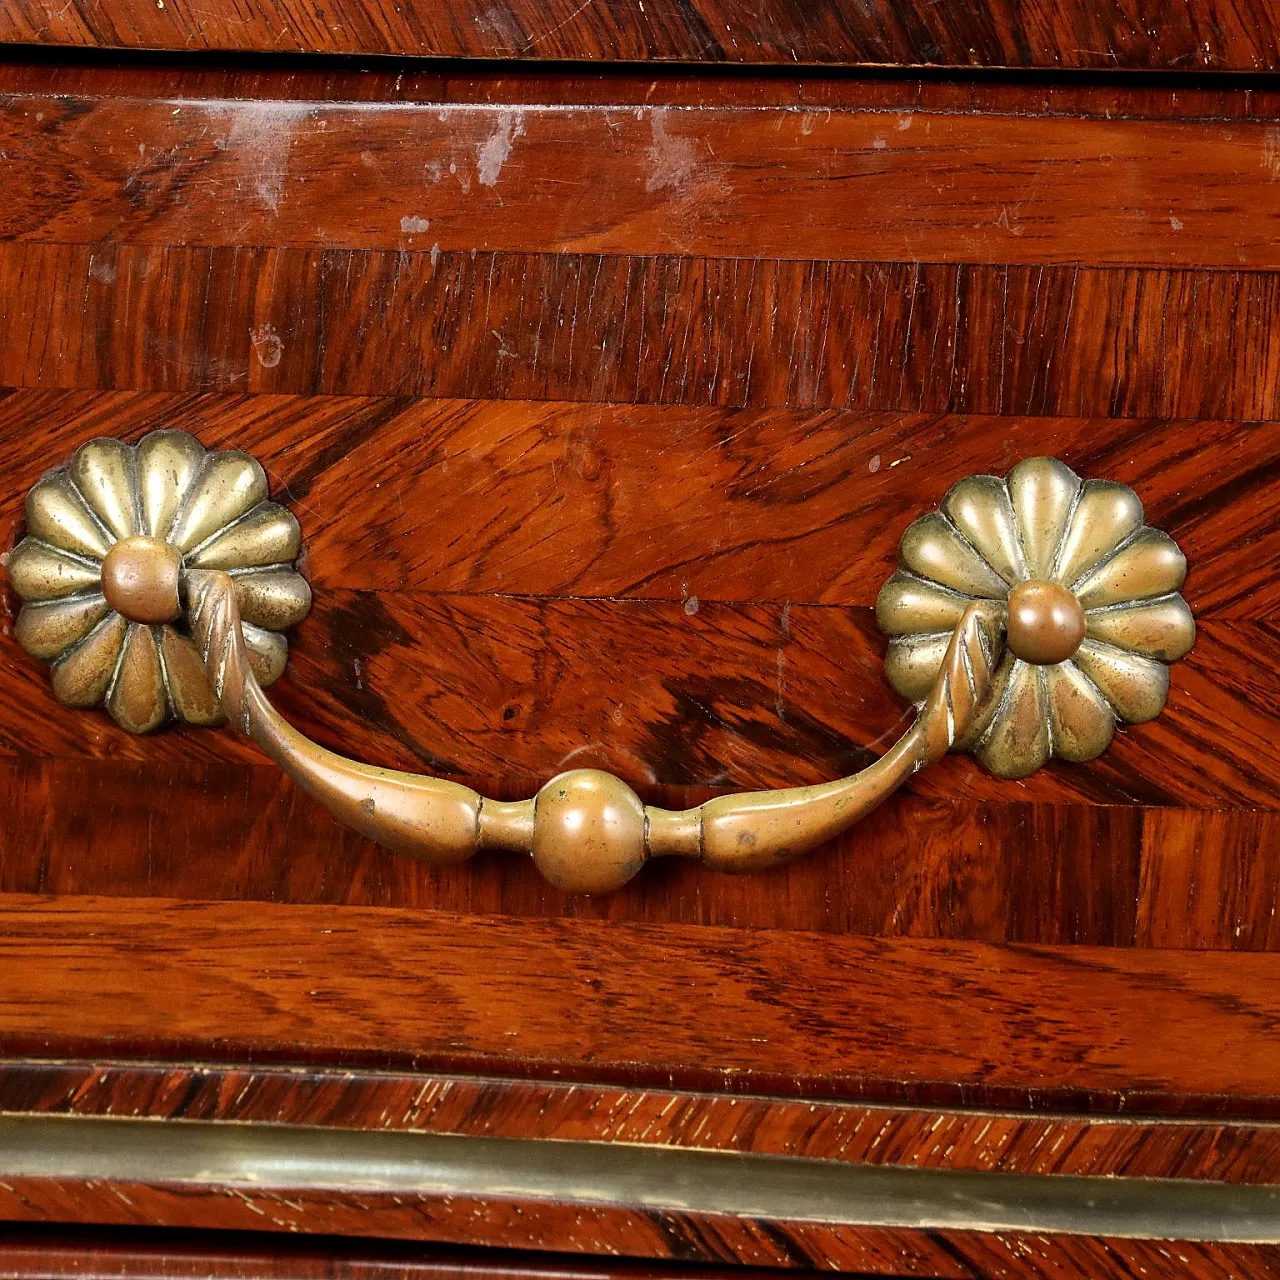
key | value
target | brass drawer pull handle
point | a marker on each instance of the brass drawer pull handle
(587, 830)
(1028, 616)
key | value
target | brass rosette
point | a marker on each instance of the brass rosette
(1086, 594)
(101, 572)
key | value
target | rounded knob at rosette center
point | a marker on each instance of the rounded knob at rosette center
(1045, 624)
(140, 579)
(588, 831)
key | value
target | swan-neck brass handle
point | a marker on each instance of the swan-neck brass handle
(1030, 615)
(588, 831)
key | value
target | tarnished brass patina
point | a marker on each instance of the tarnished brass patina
(1027, 617)
(109, 537)
(587, 831)
(1086, 594)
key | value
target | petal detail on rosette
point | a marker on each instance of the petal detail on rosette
(48, 630)
(169, 463)
(274, 598)
(932, 548)
(1149, 564)
(1105, 515)
(1043, 492)
(1162, 628)
(193, 700)
(268, 653)
(979, 507)
(57, 514)
(103, 471)
(41, 572)
(230, 484)
(991, 705)
(82, 676)
(268, 535)
(908, 605)
(1136, 687)
(913, 662)
(1082, 719)
(1017, 743)
(138, 700)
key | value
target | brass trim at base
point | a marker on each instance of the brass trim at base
(777, 1188)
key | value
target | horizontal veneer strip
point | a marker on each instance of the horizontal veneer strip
(995, 871)
(724, 696)
(781, 505)
(1075, 34)
(762, 183)
(82, 74)
(720, 1007)
(868, 336)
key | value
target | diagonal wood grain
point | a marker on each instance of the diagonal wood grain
(758, 505)
(850, 1132)
(1204, 35)
(517, 689)
(681, 695)
(67, 1253)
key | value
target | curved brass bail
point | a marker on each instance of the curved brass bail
(586, 830)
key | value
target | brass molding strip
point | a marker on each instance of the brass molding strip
(778, 1188)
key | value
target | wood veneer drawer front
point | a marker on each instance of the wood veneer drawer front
(1197, 35)
(148, 1254)
(602, 424)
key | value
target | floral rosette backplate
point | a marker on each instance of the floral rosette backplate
(1085, 594)
(170, 499)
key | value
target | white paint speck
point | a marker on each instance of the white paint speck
(1175, 223)
(691, 606)
(413, 226)
(874, 465)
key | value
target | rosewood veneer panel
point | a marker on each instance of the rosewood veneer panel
(1023, 872)
(1016, 341)
(758, 505)
(724, 1008)
(28, 1253)
(674, 674)
(76, 73)
(34, 1253)
(690, 374)
(1196, 35)
(763, 183)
